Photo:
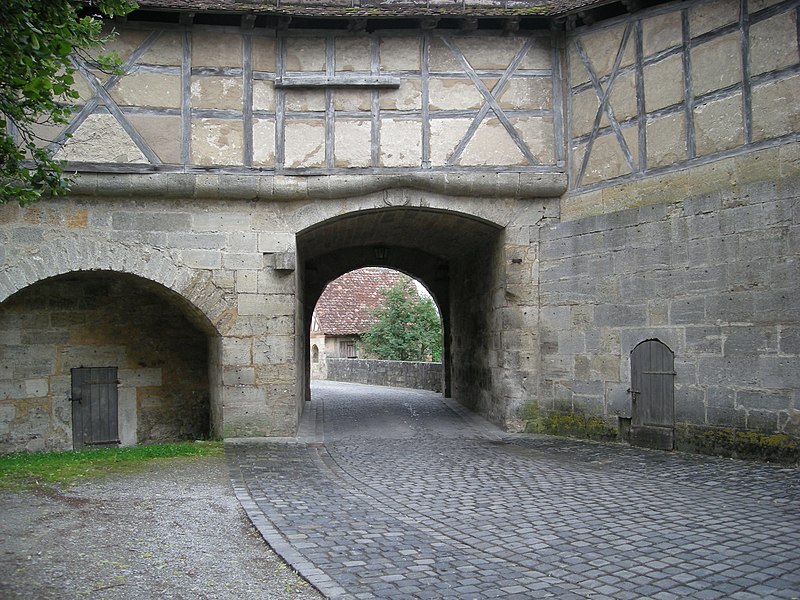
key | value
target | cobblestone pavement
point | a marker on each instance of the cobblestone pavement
(392, 493)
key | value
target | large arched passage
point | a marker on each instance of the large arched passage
(457, 257)
(148, 344)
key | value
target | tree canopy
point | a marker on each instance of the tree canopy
(39, 39)
(407, 327)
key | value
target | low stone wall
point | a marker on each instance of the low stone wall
(395, 373)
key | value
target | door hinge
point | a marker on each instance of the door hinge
(659, 373)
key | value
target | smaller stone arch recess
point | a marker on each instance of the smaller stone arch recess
(157, 346)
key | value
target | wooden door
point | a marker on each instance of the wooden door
(653, 395)
(94, 407)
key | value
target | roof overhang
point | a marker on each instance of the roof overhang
(558, 12)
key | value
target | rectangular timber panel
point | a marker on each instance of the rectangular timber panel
(94, 407)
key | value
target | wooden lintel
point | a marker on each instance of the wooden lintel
(357, 24)
(310, 81)
(511, 25)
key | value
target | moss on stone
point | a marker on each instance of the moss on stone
(737, 443)
(572, 425)
(530, 415)
(568, 425)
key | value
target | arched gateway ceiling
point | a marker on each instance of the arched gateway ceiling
(418, 241)
(437, 232)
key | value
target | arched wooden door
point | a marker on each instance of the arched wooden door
(653, 395)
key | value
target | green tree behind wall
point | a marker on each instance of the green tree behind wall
(407, 328)
(39, 39)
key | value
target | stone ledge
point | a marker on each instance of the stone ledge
(318, 187)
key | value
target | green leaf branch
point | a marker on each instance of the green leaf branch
(38, 42)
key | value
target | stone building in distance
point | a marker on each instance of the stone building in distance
(602, 197)
(344, 312)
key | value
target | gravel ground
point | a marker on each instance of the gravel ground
(174, 530)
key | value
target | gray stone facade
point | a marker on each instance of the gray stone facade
(563, 194)
(714, 277)
(101, 319)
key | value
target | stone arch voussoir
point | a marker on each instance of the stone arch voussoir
(74, 254)
(498, 212)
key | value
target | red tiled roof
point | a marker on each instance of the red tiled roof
(345, 306)
(379, 8)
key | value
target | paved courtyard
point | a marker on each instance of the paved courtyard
(391, 493)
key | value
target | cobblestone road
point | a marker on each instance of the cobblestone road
(392, 493)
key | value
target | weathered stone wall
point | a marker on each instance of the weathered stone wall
(715, 277)
(477, 336)
(681, 219)
(99, 320)
(233, 265)
(394, 373)
(239, 168)
(213, 257)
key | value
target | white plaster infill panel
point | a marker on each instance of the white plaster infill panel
(99, 138)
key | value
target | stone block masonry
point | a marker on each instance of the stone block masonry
(230, 268)
(714, 277)
(394, 373)
(101, 320)
(564, 192)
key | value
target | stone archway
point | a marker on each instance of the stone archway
(63, 327)
(64, 253)
(459, 258)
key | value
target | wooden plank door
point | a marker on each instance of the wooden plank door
(653, 395)
(94, 407)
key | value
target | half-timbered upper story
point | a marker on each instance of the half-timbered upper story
(603, 91)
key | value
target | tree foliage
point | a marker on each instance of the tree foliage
(39, 40)
(407, 328)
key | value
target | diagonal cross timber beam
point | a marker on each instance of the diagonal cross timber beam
(604, 95)
(490, 101)
(101, 94)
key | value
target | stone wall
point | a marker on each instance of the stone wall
(394, 373)
(231, 267)
(476, 336)
(715, 277)
(99, 320)
(680, 222)
(240, 169)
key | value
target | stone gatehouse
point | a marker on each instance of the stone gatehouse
(601, 197)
